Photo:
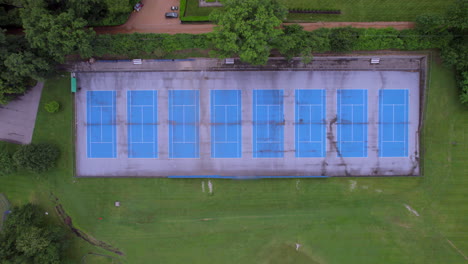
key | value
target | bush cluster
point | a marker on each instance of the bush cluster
(36, 157)
(28, 237)
(6, 163)
(351, 39)
(139, 45)
(52, 106)
(195, 19)
(297, 42)
(314, 11)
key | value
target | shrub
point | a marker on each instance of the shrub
(36, 157)
(195, 19)
(463, 82)
(6, 163)
(183, 6)
(138, 45)
(52, 106)
(343, 39)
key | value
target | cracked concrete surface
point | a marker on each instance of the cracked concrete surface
(330, 165)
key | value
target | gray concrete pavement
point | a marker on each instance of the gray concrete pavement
(387, 62)
(17, 119)
(246, 81)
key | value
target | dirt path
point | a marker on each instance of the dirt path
(205, 28)
(151, 20)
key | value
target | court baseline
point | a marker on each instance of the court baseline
(226, 124)
(101, 128)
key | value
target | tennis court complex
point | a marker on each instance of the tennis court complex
(248, 123)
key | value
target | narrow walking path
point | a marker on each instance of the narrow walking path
(205, 28)
(151, 19)
(19, 116)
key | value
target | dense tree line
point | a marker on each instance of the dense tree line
(450, 33)
(21, 66)
(36, 158)
(53, 29)
(28, 237)
(249, 29)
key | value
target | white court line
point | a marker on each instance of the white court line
(114, 130)
(142, 123)
(225, 119)
(225, 107)
(269, 105)
(137, 105)
(130, 134)
(268, 123)
(324, 115)
(309, 107)
(364, 119)
(100, 124)
(393, 122)
(381, 109)
(238, 112)
(354, 104)
(171, 127)
(155, 120)
(393, 127)
(407, 109)
(214, 129)
(352, 124)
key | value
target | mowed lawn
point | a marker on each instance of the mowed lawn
(339, 220)
(351, 10)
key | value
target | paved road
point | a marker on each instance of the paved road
(151, 20)
(17, 118)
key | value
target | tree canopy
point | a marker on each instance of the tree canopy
(19, 68)
(54, 29)
(247, 28)
(450, 33)
(56, 35)
(36, 157)
(27, 237)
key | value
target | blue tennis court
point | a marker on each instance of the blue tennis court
(393, 123)
(101, 128)
(352, 123)
(142, 124)
(184, 107)
(310, 123)
(226, 124)
(268, 124)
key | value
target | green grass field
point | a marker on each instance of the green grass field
(352, 10)
(338, 220)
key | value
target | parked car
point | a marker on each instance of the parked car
(138, 7)
(172, 15)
